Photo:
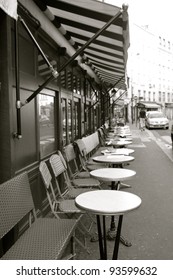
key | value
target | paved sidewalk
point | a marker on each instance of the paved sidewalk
(150, 227)
(164, 142)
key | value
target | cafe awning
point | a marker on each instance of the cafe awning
(148, 105)
(78, 21)
(9, 7)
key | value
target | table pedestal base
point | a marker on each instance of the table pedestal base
(123, 186)
(102, 238)
(112, 233)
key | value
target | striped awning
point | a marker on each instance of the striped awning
(148, 105)
(79, 21)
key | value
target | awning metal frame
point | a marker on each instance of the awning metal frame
(56, 73)
(77, 53)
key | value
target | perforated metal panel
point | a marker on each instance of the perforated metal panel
(45, 240)
(45, 171)
(57, 165)
(15, 202)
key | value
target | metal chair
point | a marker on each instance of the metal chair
(43, 238)
(71, 159)
(72, 181)
(86, 164)
(60, 204)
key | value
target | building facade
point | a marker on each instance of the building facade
(150, 69)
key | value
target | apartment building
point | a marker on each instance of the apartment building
(150, 69)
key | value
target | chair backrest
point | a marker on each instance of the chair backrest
(81, 147)
(82, 153)
(58, 168)
(71, 160)
(101, 136)
(15, 202)
(47, 180)
(91, 142)
(57, 165)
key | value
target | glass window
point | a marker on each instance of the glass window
(46, 124)
(149, 95)
(49, 49)
(75, 120)
(26, 52)
(69, 120)
(163, 96)
(64, 121)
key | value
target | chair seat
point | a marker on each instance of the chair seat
(96, 166)
(75, 192)
(68, 206)
(83, 174)
(44, 240)
(90, 182)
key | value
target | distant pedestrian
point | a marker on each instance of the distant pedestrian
(142, 116)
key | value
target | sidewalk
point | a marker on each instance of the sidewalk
(165, 142)
(150, 227)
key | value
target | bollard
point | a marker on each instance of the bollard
(172, 135)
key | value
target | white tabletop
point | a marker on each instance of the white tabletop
(121, 142)
(112, 174)
(114, 151)
(113, 159)
(107, 202)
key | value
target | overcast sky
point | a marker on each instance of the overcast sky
(158, 14)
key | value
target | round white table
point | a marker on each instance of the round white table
(114, 160)
(114, 175)
(104, 203)
(121, 143)
(113, 151)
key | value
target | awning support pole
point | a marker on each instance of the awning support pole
(75, 55)
(36, 44)
(106, 92)
(112, 88)
(119, 97)
(17, 134)
(54, 72)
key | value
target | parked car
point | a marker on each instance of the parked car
(156, 119)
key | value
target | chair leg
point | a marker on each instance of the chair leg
(82, 245)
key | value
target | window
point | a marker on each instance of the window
(159, 96)
(163, 94)
(64, 121)
(69, 120)
(46, 124)
(26, 52)
(149, 95)
(144, 94)
(75, 119)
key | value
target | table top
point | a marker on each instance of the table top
(114, 151)
(107, 202)
(121, 142)
(112, 174)
(113, 159)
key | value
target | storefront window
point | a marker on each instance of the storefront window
(75, 119)
(64, 121)
(69, 120)
(46, 124)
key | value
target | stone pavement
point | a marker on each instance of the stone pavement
(149, 228)
(164, 142)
